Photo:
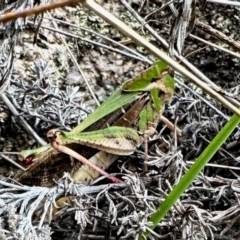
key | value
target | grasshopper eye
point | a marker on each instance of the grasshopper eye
(29, 160)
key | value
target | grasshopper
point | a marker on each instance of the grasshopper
(133, 109)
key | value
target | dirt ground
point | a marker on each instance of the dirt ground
(48, 92)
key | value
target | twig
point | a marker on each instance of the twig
(217, 34)
(225, 2)
(136, 54)
(12, 162)
(171, 126)
(36, 10)
(124, 29)
(235, 54)
(216, 165)
(108, 47)
(76, 64)
(25, 125)
(180, 57)
(201, 98)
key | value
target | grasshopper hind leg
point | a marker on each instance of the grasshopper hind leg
(86, 175)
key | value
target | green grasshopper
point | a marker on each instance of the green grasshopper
(132, 110)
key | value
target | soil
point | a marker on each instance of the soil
(48, 91)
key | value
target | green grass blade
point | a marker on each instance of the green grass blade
(189, 177)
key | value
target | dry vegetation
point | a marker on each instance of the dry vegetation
(47, 91)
